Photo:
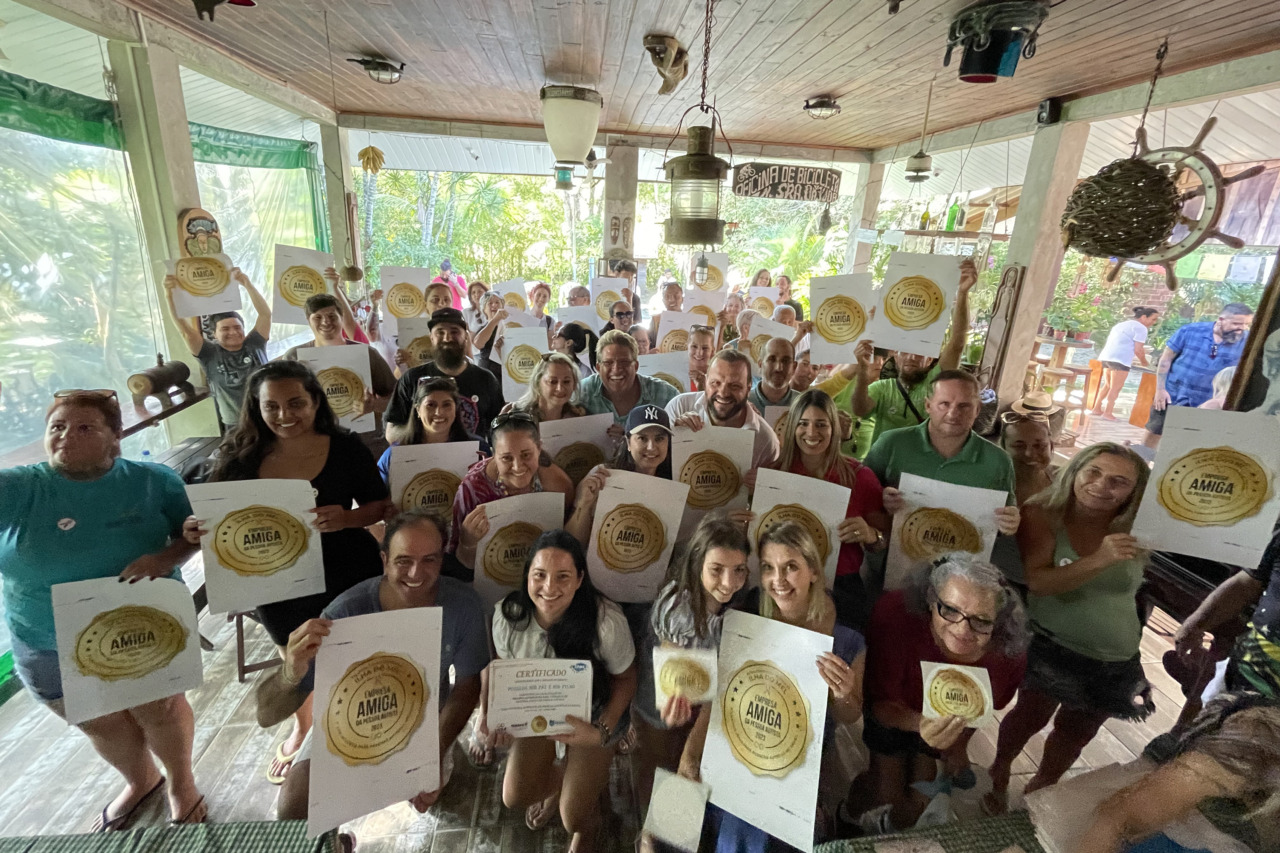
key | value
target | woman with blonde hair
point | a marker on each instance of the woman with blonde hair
(1083, 570)
(808, 446)
(553, 386)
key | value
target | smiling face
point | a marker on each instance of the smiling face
(959, 598)
(779, 364)
(78, 441)
(229, 333)
(553, 581)
(788, 579)
(952, 409)
(813, 432)
(539, 298)
(437, 412)
(733, 306)
(515, 456)
(621, 315)
(1104, 483)
(1028, 443)
(783, 284)
(805, 372)
(1230, 327)
(411, 565)
(557, 385)
(641, 336)
(438, 296)
(672, 297)
(493, 303)
(724, 573)
(700, 344)
(617, 368)
(287, 408)
(326, 325)
(727, 387)
(447, 341)
(475, 293)
(649, 448)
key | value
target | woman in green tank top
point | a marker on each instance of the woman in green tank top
(1083, 571)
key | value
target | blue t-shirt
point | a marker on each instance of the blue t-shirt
(55, 530)
(1190, 380)
(464, 640)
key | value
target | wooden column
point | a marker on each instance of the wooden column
(618, 227)
(866, 202)
(158, 142)
(336, 154)
(1036, 243)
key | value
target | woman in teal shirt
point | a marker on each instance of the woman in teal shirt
(87, 513)
(1083, 571)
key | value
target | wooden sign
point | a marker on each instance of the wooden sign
(782, 180)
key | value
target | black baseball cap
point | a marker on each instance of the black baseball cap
(646, 416)
(447, 315)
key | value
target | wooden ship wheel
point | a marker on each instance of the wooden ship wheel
(1188, 166)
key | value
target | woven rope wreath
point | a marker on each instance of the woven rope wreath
(1128, 209)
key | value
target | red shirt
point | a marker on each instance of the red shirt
(898, 640)
(867, 496)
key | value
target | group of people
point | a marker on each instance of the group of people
(1052, 618)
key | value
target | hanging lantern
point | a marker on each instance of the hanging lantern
(824, 223)
(701, 270)
(993, 35)
(696, 178)
(570, 115)
(564, 177)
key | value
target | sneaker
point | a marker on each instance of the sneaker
(876, 821)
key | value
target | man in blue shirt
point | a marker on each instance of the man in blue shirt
(617, 386)
(412, 558)
(1192, 357)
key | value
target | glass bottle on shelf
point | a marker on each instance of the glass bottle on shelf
(924, 218)
(963, 214)
(989, 217)
(953, 211)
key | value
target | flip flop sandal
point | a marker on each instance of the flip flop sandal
(186, 818)
(284, 762)
(121, 822)
(548, 813)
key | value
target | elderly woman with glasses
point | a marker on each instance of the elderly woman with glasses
(961, 612)
(86, 513)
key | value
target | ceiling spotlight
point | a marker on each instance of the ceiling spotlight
(823, 106)
(381, 70)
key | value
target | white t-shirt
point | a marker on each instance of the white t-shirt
(614, 645)
(1120, 341)
(764, 451)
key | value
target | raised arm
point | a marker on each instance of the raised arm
(188, 326)
(949, 359)
(263, 324)
(861, 401)
(349, 325)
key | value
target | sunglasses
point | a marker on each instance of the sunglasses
(511, 417)
(624, 313)
(105, 393)
(1012, 417)
(1213, 350)
(699, 328)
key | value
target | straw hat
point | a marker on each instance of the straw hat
(1036, 401)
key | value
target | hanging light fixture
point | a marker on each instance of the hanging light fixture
(824, 223)
(821, 107)
(570, 116)
(920, 164)
(564, 176)
(697, 176)
(993, 35)
(381, 70)
(701, 270)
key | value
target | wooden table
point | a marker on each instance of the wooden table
(1146, 396)
(1058, 358)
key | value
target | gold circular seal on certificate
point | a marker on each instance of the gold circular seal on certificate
(375, 708)
(405, 300)
(514, 300)
(676, 340)
(631, 538)
(715, 278)
(683, 677)
(757, 348)
(914, 303)
(931, 531)
(707, 313)
(259, 540)
(129, 642)
(434, 489)
(538, 724)
(954, 693)
(806, 519)
(1214, 486)
(604, 304)
(840, 320)
(420, 350)
(671, 380)
(766, 719)
(504, 556)
(578, 458)
(201, 276)
(712, 478)
(299, 283)
(764, 305)
(344, 390)
(520, 363)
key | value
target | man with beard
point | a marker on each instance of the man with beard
(1192, 357)
(895, 403)
(617, 387)
(702, 341)
(724, 403)
(479, 393)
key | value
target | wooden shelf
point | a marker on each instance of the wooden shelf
(963, 235)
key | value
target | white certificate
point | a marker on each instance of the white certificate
(205, 285)
(517, 319)
(676, 810)
(1212, 492)
(427, 476)
(939, 518)
(531, 697)
(260, 547)
(763, 299)
(816, 505)
(513, 294)
(913, 306)
(605, 292)
(413, 335)
(124, 644)
(515, 523)
(299, 275)
(953, 690)
(706, 304)
(636, 523)
(522, 350)
(690, 673)
(763, 330)
(404, 295)
(841, 310)
(344, 374)
(377, 715)
(578, 444)
(673, 331)
(670, 367)
(764, 748)
(583, 315)
(713, 462)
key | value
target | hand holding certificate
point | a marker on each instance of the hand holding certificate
(532, 697)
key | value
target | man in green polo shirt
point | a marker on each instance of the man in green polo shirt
(896, 403)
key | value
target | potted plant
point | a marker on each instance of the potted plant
(1058, 317)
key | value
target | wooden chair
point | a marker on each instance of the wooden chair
(243, 668)
(1032, 378)
(1062, 381)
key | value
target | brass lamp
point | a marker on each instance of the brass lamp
(696, 178)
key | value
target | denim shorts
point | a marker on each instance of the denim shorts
(39, 671)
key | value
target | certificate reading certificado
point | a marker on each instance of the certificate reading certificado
(531, 697)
